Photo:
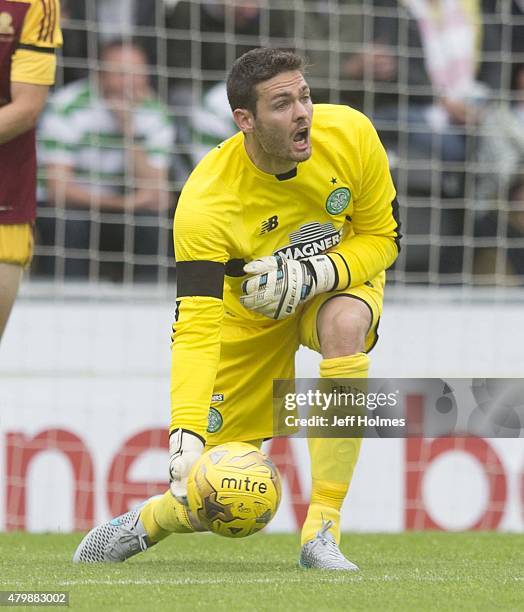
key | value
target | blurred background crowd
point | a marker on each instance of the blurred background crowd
(141, 98)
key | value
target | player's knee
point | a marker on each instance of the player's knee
(343, 325)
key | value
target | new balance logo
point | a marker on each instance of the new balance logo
(269, 225)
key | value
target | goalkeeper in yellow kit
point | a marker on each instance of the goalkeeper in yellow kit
(282, 235)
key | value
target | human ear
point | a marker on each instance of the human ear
(245, 120)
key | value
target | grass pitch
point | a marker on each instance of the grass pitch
(415, 571)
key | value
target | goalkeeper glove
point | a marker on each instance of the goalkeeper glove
(279, 285)
(185, 448)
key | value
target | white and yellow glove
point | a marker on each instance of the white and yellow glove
(279, 285)
(185, 449)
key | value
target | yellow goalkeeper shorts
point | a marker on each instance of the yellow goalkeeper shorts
(252, 356)
(16, 243)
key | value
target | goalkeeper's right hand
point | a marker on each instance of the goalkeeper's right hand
(185, 448)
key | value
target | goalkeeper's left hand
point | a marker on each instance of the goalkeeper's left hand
(279, 285)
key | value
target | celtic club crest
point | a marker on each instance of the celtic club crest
(338, 200)
(214, 420)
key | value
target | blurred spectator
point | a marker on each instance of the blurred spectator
(106, 151)
(369, 65)
(516, 227)
(206, 37)
(437, 46)
(500, 237)
(330, 33)
(501, 153)
(87, 23)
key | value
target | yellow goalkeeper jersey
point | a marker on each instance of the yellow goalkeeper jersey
(341, 201)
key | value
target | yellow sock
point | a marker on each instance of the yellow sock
(333, 460)
(164, 515)
(352, 366)
(326, 501)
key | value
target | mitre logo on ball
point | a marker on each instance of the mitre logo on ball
(234, 490)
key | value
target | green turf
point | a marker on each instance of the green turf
(415, 571)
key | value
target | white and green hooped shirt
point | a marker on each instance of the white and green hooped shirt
(79, 130)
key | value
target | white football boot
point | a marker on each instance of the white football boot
(114, 541)
(323, 552)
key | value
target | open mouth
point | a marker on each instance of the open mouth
(301, 140)
(301, 136)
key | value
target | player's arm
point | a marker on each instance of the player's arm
(201, 251)
(376, 242)
(21, 114)
(33, 68)
(201, 255)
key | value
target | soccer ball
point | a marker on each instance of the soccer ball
(234, 489)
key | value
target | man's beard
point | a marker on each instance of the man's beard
(279, 148)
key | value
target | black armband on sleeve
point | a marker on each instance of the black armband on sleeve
(396, 217)
(200, 279)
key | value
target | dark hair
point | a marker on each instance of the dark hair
(254, 67)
